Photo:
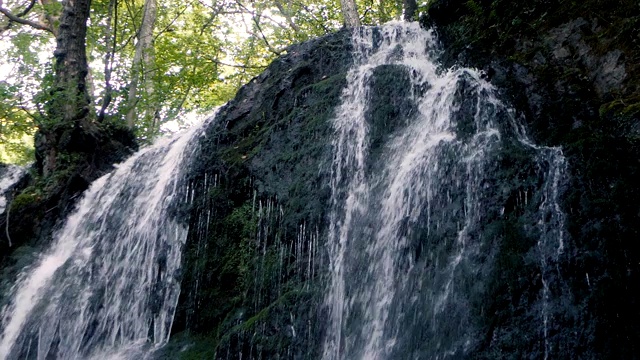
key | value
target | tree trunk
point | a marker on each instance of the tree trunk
(410, 8)
(350, 13)
(151, 111)
(110, 42)
(69, 106)
(71, 67)
(143, 67)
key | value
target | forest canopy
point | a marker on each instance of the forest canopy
(151, 63)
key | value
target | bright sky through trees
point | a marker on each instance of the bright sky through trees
(200, 53)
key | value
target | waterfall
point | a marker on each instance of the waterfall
(8, 178)
(107, 287)
(407, 238)
(440, 205)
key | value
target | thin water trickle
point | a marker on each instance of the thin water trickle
(550, 223)
(108, 285)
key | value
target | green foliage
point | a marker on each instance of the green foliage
(53, 8)
(24, 69)
(26, 198)
(16, 128)
(204, 51)
(185, 346)
(474, 7)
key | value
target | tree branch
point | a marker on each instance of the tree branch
(178, 14)
(287, 15)
(19, 20)
(27, 9)
(48, 16)
(239, 66)
(29, 114)
(112, 18)
(264, 38)
(256, 21)
(319, 22)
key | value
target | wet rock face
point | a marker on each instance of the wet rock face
(568, 47)
(573, 77)
(258, 194)
(252, 261)
(255, 263)
(390, 102)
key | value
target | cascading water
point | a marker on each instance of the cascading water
(108, 285)
(8, 177)
(422, 207)
(407, 237)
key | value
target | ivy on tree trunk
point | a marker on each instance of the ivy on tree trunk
(68, 108)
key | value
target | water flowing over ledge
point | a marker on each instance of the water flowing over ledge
(108, 283)
(406, 238)
(414, 200)
(9, 176)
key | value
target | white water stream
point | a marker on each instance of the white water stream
(430, 177)
(108, 283)
(10, 176)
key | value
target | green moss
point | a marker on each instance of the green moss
(627, 108)
(289, 298)
(28, 198)
(241, 254)
(184, 346)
